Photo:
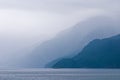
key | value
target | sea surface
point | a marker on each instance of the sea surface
(60, 74)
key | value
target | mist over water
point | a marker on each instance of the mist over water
(60, 74)
(25, 25)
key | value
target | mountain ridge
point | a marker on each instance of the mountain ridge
(99, 53)
(71, 41)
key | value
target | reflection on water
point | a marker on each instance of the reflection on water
(60, 74)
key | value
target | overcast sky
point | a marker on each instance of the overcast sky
(33, 18)
(25, 22)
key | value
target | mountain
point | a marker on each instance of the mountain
(71, 41)
(99, 53)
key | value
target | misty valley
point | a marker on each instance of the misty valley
(70, 49)
(71, 55)
(59, 40)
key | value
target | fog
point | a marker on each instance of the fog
(27, 23)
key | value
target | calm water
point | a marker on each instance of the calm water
(60, 74)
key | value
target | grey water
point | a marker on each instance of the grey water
(60, 74)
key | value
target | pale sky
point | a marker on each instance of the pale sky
(37, 17)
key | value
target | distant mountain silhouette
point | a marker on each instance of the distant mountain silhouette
(71, 41)
(99, 53)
